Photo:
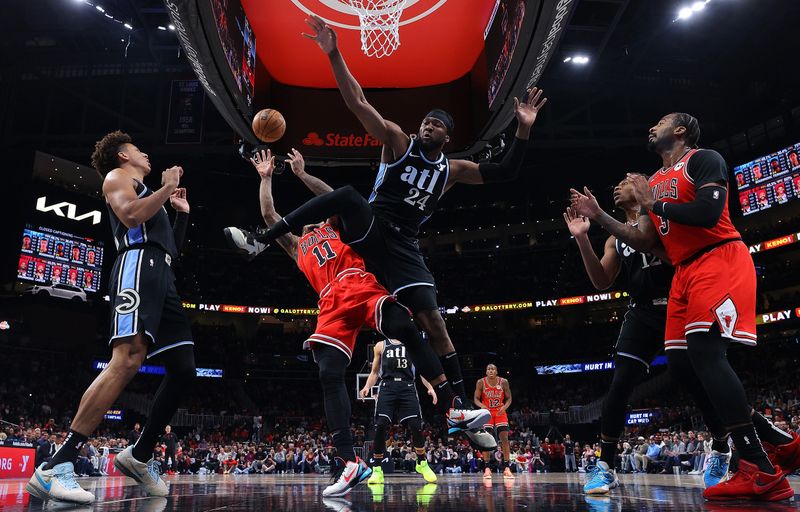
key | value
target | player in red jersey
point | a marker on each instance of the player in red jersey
(711, 302)
(494, 394)
(349, 298)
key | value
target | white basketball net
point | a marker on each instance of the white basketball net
(380, 25)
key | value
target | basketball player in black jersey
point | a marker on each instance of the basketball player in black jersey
(413, 176)
(397, 398)
(641, 338)
(147, 319)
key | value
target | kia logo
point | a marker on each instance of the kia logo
(72, 210)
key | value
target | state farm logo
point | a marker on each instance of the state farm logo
(341, 141)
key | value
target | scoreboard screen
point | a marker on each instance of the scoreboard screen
(769, 180)
(50, 256)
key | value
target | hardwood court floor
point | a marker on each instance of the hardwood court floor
(462, 493)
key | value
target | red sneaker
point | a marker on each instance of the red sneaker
(787, 456)
(751, 484)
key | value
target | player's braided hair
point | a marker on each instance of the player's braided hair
(692, 126)
(104, 158)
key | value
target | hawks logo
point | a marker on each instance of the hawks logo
(132, 301)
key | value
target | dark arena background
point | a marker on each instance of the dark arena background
(185, 77)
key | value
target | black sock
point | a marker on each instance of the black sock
(749, 447)
(343, 441)
(720, 444)
(452, 369)
(768, 432)
(69, 450)
(180, 372)
(608, 452)
(445, 395)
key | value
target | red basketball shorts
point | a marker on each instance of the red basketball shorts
(348, 304)
(498, 419)
(719, 287)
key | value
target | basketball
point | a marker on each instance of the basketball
(269, 125)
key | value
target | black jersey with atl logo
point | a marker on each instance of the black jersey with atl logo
(155, 231)
(395, 363)
(407, 190)
(647, 277)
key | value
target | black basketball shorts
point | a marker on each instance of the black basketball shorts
(642, 333)
(144, 299)
(397, 400)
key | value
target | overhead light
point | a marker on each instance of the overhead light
(568, 59)
(698, 6)
(162, 27)
(99, 8)
(127, 25)
(685, 13)
(171, 26)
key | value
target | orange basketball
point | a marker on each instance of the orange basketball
(269, 125)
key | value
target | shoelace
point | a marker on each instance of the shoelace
(152, 469)
(715, 466)
(67, 479)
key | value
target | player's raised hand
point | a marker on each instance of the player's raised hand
(323, 35)
(585, 203)
(527, 111)
(578, 225)
(297, 163)
(264, 163)
(172, 176)
(178, 200)
(641, 190)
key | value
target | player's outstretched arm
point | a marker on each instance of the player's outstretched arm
(471, 173)
(385, 131)
(264, 163)
(314, 184)
(602, 272)
(642, 238)
(373, 373)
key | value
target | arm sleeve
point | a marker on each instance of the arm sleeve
(704, 211)
(707, 166)
(179, 228)
(509, 166)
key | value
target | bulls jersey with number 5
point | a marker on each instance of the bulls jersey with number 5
(349, 296)
(493, 397)
(715, 282)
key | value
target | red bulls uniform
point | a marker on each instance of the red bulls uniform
(715, 280)
(349, 296)
(493, 397)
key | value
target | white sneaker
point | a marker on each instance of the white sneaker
(348, 476)
(481, 439)
(58, 484)
(144, 473)
(244, 242)
(466, 419)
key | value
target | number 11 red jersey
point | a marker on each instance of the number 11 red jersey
(322, 256)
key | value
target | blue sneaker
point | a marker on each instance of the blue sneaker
(717, 468)
(58, 484)
(600, 479)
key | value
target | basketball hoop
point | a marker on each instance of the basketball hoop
(380, 25)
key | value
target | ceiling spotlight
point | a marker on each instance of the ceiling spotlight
(685, 13)
(568, 59)
(128, 26)
(99, 8)
(698, 6)
(171, 26)
(160, 27)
